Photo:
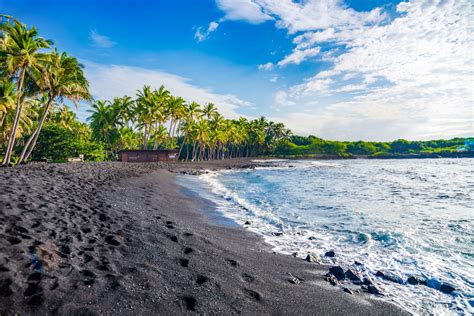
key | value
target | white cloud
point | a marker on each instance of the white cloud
(352, 88)
(212, 26)
(202, 34)
(298, 15)
(299, 55)
(109, 81)
(409, 76)
(317, 14)
(312, 87)
(246, 10)
(281, 99)
(267, 66)
(413, 75)
(331, 16)
(274, 78)
(99, 40)
(349, 76)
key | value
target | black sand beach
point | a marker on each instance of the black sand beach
(110, 238)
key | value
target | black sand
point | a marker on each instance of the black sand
(109, 238)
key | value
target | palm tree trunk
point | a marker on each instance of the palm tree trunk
(194, 152)
(3, 119)
(170, 136)
(155, 143)
(175, 131)
(31, 143)
(181, 147)
(16, 120)
(144, 136)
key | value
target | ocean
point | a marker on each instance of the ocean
(407, 217)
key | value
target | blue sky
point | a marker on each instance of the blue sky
(347, 70)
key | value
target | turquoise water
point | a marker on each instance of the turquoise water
(405, 216)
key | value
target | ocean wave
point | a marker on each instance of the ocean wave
(363, 213)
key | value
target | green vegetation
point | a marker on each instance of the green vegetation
(309, 146)
(156, 120)
(35, 124)
(32, 80)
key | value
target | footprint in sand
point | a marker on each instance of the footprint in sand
(5, 289)
(89, 277)
(248, 278)
(253, 294)
(201, 279)
(34, 293)
(189, 303)
(111, 240)
(184, 262)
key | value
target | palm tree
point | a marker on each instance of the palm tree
(127, 138)
(218, 135)
(27, 119)
(144, 111)
(201, 134)
(160, 110)
(192, 113)
(62, 78)
(65, 117)
(19, 56)
(208, 110)
(101, 122)
(160, 135)
(177, 110)
(127, 109)
(7, 99)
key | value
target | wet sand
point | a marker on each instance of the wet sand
(108, 238)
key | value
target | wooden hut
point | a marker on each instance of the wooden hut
(141, 155)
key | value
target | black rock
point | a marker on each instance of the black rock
(415, 280)
(330, 254)
(312, 258)
(368, 281)
(248, 223)
(338, 272)
(294, 280)
(332, 279)
(447, 288)
(353, 276)
(374, 290)
(348, 290)
(389, 276)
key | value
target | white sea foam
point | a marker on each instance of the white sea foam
(269, 160)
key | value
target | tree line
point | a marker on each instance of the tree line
(155, 119)
(301, 146)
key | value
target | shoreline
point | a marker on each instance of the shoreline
(452, 155)
(103, 238)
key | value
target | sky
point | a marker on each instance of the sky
(342, 70)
